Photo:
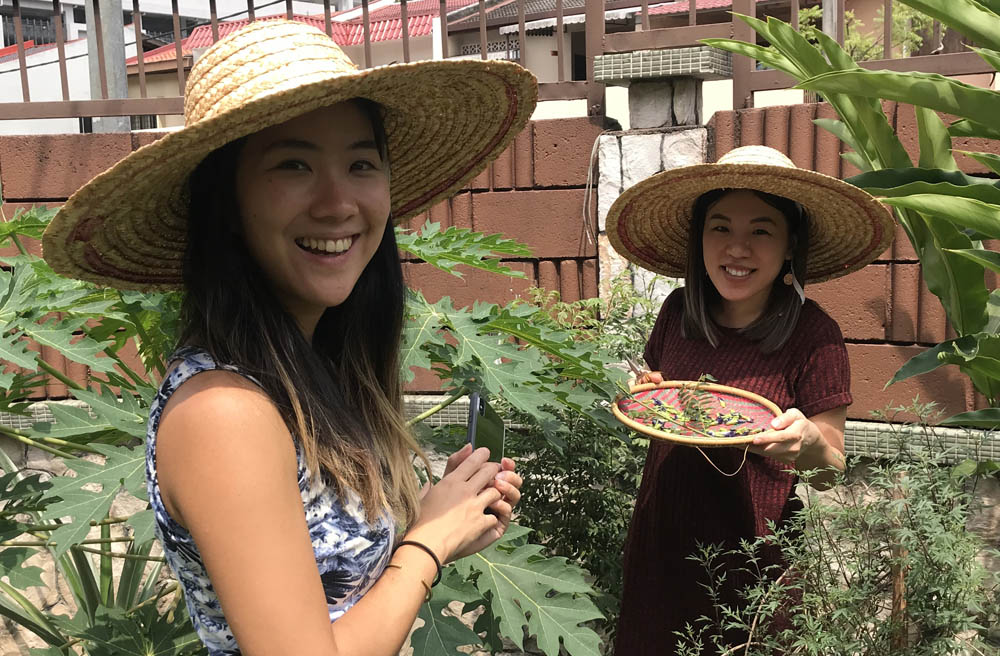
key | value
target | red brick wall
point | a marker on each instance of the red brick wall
(534, 193)
(885, 311)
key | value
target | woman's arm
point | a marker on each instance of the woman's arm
(228, 472)
(815, 442)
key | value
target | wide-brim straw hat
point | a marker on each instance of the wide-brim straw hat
(444, 121)
(848, 228)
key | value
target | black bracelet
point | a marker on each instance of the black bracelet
(428, 550)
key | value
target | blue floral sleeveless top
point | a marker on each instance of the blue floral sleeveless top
(350, 552)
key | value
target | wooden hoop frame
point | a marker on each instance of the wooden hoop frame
(676, 438)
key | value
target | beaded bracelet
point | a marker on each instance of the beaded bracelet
(427, 550)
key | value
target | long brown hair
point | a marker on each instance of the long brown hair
(777, 323)
(341, 394)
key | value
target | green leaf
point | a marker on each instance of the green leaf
(963, 212)
(991, 57)
(11, 566)
(28, 223)
(989, 160)
(115, 633)
(142, 526)
(122, 468)
(966, 128)
(125, 414)
(455, 246)
(909, 181)
(970, 18)
(929, 360)
(61, 336)
(13, 349)
(547, 595)
(924, 89)
(70, 421)
(988, 418)
(989, 259)
(935, 142)
(443, 634)
(423, 326)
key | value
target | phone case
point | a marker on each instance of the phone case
(486, 428)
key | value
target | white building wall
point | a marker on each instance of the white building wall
(44, 84)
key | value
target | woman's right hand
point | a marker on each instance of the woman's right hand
(649, 377)
(452, 511)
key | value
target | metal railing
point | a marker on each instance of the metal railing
(461, 18)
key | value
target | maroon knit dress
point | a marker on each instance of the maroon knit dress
(682, 500)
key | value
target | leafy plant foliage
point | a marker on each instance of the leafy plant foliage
(125, 338)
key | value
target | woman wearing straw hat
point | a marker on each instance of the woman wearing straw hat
(746, 234)
(278, 459)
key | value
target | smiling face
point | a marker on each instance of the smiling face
(313, 195)
(745, 244)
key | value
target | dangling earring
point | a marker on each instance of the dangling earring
(790, 279)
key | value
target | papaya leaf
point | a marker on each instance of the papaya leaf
(11, 566)
(449, 248)
(123, 468)
(423, 326)
(61, 336)
(547, 595)
(960, 211)
(970, 18)
(115, 633)
(935, 142)
(142, 526)
(125, 414)
(988, 418)
(928, 90)
(442, 634)
(964, 469)
(14, 349)
(70, 421)
(28, 223)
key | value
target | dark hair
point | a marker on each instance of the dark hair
(341, 395)
(773, 328)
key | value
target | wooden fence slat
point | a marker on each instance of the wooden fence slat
(443, 11)
(522, 46)
(326, 18)
(61, 47)
(887, 29)
(250, 13)
(215, 20)
(288, 10)
(177, 47)
(483, 46)
(404, 21)
(140, 55)
(693, 12)
(368, 33)
(91, 108)
(99, 37)
(559, 40)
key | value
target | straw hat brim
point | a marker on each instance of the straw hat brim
(848, 228)
(445, 121)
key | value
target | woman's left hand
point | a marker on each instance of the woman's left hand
(792, 434)
(507, 482)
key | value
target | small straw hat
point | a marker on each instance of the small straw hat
(848, 228)
(444, 121)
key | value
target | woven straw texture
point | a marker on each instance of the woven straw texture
(848, 228)
(445, 121)
(658, 410)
